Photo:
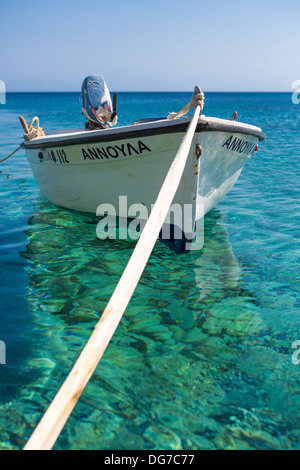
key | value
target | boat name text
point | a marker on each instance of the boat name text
(56, 156)
(239, 145)
(96, 153)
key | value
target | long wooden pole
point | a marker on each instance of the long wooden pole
(53, 421)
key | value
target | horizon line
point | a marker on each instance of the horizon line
(154, 91)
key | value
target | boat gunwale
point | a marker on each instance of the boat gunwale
(143, 130)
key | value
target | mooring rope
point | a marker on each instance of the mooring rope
(10, 155)
(53, 421)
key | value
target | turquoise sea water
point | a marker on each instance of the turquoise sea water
(203, 356)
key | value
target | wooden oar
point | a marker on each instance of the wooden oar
(54, 419)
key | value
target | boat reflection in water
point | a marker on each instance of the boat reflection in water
(73, 273)
(186, 312)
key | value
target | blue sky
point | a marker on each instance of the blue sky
(155, 45)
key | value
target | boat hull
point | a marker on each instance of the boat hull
(92, 174)
(126, 169)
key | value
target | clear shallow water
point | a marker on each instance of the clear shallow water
(202, 358)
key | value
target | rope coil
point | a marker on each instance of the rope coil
(39, 130)
(197, 100)
(30, 131)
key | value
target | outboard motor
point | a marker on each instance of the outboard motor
(96, 103)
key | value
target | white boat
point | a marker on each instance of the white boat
(84, 169)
